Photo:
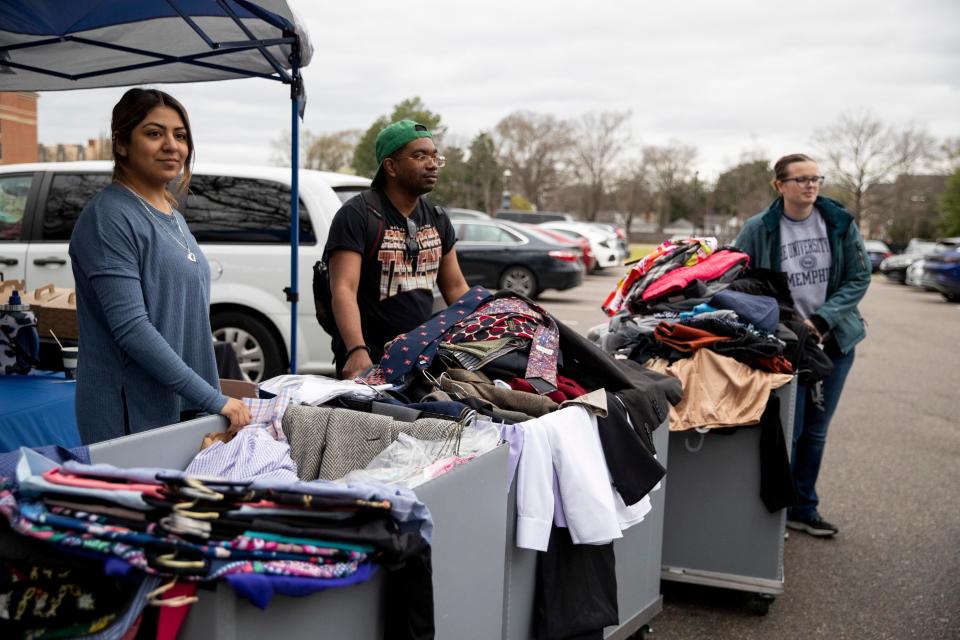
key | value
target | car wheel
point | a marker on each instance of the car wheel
(519, 280)
(258, 351)
(951, 297)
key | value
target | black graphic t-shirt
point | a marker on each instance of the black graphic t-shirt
(395, 293)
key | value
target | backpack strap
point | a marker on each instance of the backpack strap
(438, 212)
(373, 205)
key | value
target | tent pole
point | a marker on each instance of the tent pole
(293, 295)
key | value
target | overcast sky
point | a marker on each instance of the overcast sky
(729, 77)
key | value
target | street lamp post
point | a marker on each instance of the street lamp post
(505, 200)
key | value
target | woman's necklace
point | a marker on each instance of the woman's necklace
(191, 256)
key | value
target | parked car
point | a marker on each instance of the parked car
(533, 217)
(942, 268)
(877, 250)
(589, 262)
(239, 215)
(895, 267)
(500, 255)
(604, 244)
(913, 276)
(618, 231)
(457, 213)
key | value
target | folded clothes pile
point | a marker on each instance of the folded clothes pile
(262, 536)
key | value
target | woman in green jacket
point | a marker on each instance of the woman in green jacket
(816, 242)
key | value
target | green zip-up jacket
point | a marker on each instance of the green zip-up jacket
(849, 265)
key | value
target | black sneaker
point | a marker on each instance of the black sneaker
(814, 525)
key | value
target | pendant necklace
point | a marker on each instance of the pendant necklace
(191, 256)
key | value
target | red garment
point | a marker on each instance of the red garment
(55, 476)
(776, 364)
(710, 269)
(170, 619)
(684, 338)
(567, 388)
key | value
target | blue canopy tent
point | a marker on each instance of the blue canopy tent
(54, 45)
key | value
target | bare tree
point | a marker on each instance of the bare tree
(599, 139)
(280, 156)
(861, 151)
(670, 167)
(323, 152)
(332, 151)
(532, 146)
(633, 194)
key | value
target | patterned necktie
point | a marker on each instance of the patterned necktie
(416, 348)
(515, 317)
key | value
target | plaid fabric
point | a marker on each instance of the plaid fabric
(268, 414)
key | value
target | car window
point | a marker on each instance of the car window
(69, 194)
(345, 193)
(485, 233)
(943, 247)
(571, 233)
(229, 210)
(919, 246)
(13, 203)
(540, 235)
(466, 214)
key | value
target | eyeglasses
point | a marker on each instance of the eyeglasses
(421, 158)
(413, 248)
(805, 180)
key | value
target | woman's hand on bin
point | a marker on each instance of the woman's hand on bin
(237, 413)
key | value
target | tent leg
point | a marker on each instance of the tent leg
(293, 295)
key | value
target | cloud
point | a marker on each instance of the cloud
(726, 77)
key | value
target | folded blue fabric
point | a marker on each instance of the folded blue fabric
(762, 312)
(259, 588)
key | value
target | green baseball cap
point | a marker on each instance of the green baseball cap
(393, 137)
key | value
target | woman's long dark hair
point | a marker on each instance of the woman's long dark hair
(131, 111)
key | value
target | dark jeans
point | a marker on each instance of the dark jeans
(810, 433)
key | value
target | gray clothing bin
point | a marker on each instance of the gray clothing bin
(717, 531)
(638, 568)
(469, 509)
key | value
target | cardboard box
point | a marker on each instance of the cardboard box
(7, 287)
(56, 310)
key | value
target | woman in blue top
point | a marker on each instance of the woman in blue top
(143, 285)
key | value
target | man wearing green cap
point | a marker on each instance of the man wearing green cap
(386, 249)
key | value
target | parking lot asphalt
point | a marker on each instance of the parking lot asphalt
(890, 480)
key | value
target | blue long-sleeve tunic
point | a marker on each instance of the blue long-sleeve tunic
(146, 351)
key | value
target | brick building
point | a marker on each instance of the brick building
(18, 127)
(95, 149)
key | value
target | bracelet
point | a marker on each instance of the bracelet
(357, 348)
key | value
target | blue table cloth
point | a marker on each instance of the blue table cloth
(37, 410)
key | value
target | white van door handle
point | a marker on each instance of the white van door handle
(9, 261)
(42, 262)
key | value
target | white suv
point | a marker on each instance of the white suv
(241, 217)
